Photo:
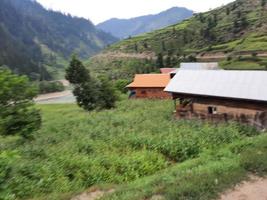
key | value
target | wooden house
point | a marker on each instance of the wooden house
(221, 96)
(150, 86)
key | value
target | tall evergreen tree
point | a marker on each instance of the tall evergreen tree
(107, 96)
(76, 73)
(90, 93)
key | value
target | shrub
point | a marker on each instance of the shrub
(254, 157)
(121, 84)
(48, 87)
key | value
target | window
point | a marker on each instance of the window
(212, 110)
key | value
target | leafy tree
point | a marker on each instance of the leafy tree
(159, 61)
(163, 46)
(145, 45)
(135, 47)
(239, 14)
(234, 6)
(243, 22)
(228, 11)
(263, 3)
(17, 113)
(201, 17)
(215, 18)
(168, 62)
(192, 58)
(174, 61)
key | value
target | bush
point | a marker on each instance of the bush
(48, 87)
(254, 158)
(121, 84)
(17, 114)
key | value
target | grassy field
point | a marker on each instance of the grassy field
(137, 148)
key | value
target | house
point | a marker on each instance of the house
(221, 96)
(167, 70)
(196, 66)
(150, 86)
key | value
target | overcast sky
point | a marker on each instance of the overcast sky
(101, 10)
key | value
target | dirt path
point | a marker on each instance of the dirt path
(53, 95)
(92, 195)
(221, 56)
(255, 189)
(121, 55)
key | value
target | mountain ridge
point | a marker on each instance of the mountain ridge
(123, 28)
(234, 35)
(37, 42)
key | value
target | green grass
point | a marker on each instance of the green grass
(202, 178)
(138, 145)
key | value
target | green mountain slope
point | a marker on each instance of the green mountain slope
(123, 28)
(36, 41)
(234, 34)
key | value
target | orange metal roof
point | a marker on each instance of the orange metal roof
(150, 80)
(167, 70)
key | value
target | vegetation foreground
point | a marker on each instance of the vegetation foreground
(136, 149)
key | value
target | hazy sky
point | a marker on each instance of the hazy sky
(101, 10)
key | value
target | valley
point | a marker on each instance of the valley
(117, 129)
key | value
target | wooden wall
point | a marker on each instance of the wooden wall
(247, 112)
(151, 93)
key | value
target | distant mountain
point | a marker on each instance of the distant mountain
(123, 28)
(35, 41)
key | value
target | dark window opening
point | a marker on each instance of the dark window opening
(212, 110)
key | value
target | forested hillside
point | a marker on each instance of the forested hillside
(37, 42)
(123, 28)
(234, 34)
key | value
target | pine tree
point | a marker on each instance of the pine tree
(90, 93)
(106, 97)
(76, 73)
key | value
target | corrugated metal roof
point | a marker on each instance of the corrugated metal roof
(150, 80)
(250, 85)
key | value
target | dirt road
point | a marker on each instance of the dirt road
(255, 189)
(56, 97)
